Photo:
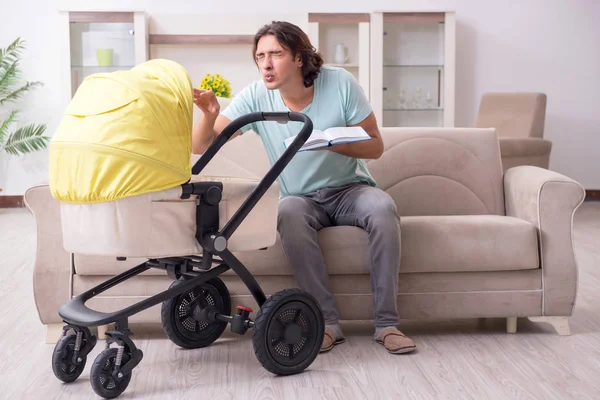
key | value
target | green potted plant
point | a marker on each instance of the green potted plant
(24, 139)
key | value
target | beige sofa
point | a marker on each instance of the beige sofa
(475, 242)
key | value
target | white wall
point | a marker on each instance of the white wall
(550, 46)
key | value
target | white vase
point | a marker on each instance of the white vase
(223, 102)
(341, 53)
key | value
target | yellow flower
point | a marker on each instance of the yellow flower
(217, 83)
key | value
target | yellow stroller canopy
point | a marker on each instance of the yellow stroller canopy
(124, 133)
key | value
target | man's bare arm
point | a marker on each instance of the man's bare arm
(206, 130)
(210, 124)
(369, 149)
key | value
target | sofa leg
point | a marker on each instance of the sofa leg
(53, 333)
(102, 331)
(560, 324)
(511, 324)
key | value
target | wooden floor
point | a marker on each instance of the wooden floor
(473, 359)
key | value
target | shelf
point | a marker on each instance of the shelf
(90, 69)
(101, 17)
(201, 39)
(338, 18)
(414, 17)
(412, 66)
(342, 65)
(103, 66)
(413, 109)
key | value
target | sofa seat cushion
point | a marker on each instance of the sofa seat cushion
(429, 244)
(468, 243)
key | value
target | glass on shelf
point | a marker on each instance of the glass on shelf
(402, 103)
(429, 99)
(402, 98)
(416, 98)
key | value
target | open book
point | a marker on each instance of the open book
(331, 137)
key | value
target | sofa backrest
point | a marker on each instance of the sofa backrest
(441, 171)
(427, 171)
(243, 157)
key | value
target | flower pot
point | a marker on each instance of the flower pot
(223, 102)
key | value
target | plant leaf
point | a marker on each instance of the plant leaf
(12, 52)
(8, 76)
(19, 92)
(6, 123)
(27, 139)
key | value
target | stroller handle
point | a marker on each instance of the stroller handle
(236, 124)
(274, 171)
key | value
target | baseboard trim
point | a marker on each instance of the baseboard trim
(592, 195)
(11, 202)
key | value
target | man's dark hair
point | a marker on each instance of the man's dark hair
(292, 38)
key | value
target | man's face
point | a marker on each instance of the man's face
(276, 64)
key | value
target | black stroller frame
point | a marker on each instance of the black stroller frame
(289, 327)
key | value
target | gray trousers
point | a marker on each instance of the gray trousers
(300, 217)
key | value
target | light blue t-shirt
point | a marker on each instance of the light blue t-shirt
(338, 101)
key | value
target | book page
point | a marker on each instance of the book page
(316, 138)
(346, 134)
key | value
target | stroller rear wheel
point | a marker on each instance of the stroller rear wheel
(288, 332)
(186, 318)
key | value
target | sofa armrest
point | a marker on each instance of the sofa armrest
(548, 200)
(52, 269)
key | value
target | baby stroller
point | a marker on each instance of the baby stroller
(120, 164)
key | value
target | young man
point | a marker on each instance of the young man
(318, 188)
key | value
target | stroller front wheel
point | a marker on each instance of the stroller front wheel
(102, 378)
(64, 366)
(288, 332)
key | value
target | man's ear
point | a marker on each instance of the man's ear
(298, 60)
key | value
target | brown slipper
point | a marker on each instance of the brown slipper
(395, 341)
(329, 340)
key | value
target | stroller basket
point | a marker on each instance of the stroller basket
(196, 309)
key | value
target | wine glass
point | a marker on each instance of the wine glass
(429, 99)
(402, 98)
(417, 97)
